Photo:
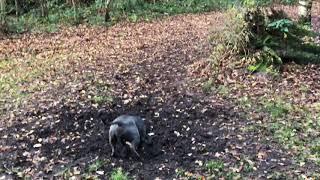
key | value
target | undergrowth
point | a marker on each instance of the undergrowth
(128, 10)
(261, 39)
(294, 127)
(93, 12)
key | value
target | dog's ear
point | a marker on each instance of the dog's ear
(103, 115)
(106, 116)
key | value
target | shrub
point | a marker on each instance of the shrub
(261, 40)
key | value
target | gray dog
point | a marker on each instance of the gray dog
(127, 130)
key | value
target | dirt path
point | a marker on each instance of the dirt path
(129, 68)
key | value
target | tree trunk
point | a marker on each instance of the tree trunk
(107, 10)
(68, 2)
(44, 8)
(16, 2)
(2, 11)
(305, 7)
(75, 13)
(107, 3)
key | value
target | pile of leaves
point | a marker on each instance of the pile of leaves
(262, 40)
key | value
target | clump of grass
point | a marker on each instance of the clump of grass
(245, 102)
(223, 90)
(100, 99)
(180, 172)
(277, 108)
(248, 166)
(214, 166)
(118, 174)
(229, 41)
(95, 166)
(207, 86)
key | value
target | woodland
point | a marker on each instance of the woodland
(228, 89)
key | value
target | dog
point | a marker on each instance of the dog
(128, 130)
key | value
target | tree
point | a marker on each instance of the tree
(2, 12)
(73, 4)
(75, 12)
(305, 7)
(107, 10)
(68, 2)
(44, 8)
(16, 3)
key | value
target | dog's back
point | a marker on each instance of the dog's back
(125, 120)
(126, 130)
(141, 128)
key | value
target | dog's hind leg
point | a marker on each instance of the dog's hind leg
(133, 148)
(112, 148)
(112, 142)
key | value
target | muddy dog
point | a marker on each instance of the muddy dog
(128, 130)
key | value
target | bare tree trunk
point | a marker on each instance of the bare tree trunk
(305, 7)
(68, 2)
(2, 12)
(74, 6)
(107, 10)
(16, 2)
(44, 8)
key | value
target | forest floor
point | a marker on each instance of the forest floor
(57, 89)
